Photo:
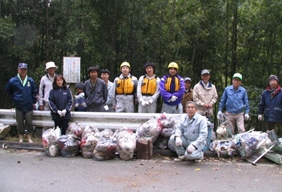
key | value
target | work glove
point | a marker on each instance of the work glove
(59, 113)
(260, 117)
(147, 102)
(173, 98)
(83, 104)
(178, 141)
(143, 103)
(220, 115)
(247, 117)
(190, 149)
(64, 112)
(76, 105)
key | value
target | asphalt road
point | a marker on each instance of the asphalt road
(22, 170)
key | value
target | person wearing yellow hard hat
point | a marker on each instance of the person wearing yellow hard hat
(124, 90)
(171, 90)
(235, 100)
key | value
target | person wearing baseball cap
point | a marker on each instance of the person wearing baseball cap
(235, 100)
(22, 90)
(270, 105)
(188, 93)
(205, 94)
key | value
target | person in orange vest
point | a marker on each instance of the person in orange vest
(171, 90)
(124, 90)
(148, 90)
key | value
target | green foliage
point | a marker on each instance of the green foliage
(254, 95)
(222, 36)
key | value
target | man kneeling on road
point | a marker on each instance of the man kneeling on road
(190, 137)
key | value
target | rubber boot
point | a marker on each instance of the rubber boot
(29, 138)
(21, 138)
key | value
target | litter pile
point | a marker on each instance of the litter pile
(155, 133)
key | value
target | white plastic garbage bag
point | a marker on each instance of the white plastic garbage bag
(50, 141)
(126, 143)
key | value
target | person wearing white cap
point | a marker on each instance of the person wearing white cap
(205, 94)
(45, 86)
(22, 90)
(270, 106)
(235, 100)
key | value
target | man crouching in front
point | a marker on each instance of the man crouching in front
(190, 137)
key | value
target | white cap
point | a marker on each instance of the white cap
(50, 65)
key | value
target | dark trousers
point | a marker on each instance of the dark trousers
(24, 121)
(276, 126)
(63, 124)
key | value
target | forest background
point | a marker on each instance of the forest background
(224, 36)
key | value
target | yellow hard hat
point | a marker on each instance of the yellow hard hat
(173, 65)
(125, 64)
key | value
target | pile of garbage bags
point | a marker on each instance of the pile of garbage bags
(244, 144)
(106, 144)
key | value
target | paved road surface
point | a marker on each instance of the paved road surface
(22, 170)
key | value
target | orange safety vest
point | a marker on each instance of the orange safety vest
(168, 82)
(124, 86)
(149, 86)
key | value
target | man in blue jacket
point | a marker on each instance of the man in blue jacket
(235, 100)
(22, 91)
(270, 106)
(171, 90)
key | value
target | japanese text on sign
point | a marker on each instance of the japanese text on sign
(72, 69)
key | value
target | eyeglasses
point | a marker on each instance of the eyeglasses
(190, 107)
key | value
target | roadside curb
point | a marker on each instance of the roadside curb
(38, 147)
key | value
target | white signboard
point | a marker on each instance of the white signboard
(72, 69)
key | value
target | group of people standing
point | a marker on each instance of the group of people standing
(99, 94)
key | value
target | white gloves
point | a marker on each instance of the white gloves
(173, 98)
(59, 113)
(178, 141)
(63, 113)
(247, 117)
(260, 117)
(144, 103)
(76, 105)
(220, 115)
(190, 149)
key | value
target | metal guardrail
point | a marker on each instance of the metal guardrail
(96, 119)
